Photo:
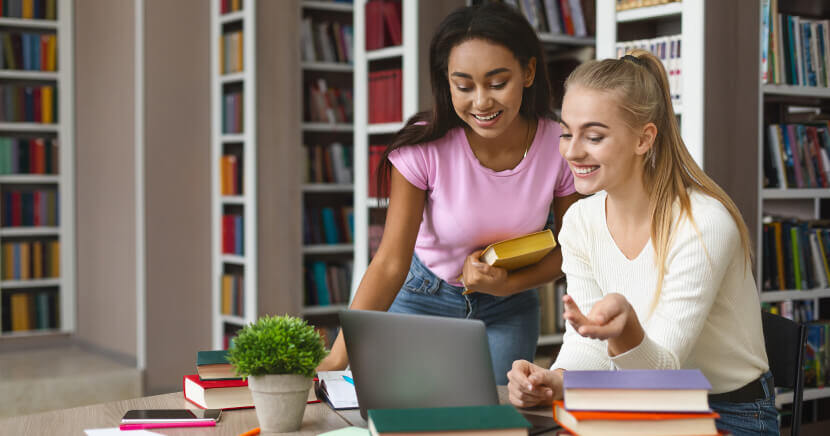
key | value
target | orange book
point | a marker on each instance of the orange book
(8, 261)
(221, 54)
(46, 105)
(587, 423)
(227, 284)
(779, 255)
(28, 9)
(239, 53)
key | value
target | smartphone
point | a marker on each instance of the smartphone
(541, 424)
(148, 416)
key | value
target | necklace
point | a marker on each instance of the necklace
(527, 140)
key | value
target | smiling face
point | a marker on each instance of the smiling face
(602, 150)
(486, 85)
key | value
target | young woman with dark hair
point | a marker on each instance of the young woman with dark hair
(479, 167)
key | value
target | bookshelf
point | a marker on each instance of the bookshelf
(255, 180)
(801, 202)
(326, 68)
(37, 184)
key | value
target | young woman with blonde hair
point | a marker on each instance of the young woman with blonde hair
(657, 261)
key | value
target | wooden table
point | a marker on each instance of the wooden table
(318, 418)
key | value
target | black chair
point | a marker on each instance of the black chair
(784, 340)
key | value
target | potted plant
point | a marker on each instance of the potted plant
(278, 355)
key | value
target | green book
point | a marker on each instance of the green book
(214, 365)
(796, 260)
(466, 420)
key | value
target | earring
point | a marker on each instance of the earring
(652, 157)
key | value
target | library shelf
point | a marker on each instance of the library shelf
(650, 12)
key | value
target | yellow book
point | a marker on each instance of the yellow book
(221, 54)
(56, 258)
(25, 261)
(519, 252)
(227, 284)
(52, 59)
(240, 65)
(21, 319)
(46, 104)
(37, 260)
(28, 9)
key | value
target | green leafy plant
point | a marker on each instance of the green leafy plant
(277, 345)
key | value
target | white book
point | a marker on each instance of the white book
(799, 59)
(338, 389)
(578, 18)
(775, 153)
(552, 12)
(818, 262)
(307, 41)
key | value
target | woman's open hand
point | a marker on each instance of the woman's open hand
(611, 318)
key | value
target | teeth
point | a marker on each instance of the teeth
(586, 170)
(494, 115)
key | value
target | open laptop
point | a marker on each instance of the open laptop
(405, 361)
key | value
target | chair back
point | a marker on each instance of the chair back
(784, 340)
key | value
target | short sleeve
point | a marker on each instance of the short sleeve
(412, 163)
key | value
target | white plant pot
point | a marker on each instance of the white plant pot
(279, 400)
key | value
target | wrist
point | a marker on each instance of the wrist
(632, 335)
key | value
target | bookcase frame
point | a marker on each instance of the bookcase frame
(64, 130)
(248, 139)
(341, 250)
(764, 196)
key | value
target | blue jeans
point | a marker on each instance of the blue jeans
(756, 418)
(512, 322)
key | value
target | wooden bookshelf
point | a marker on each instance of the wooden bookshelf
(62, 320)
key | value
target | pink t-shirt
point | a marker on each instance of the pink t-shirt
(470, 206)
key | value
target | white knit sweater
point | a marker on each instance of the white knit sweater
(708, 315)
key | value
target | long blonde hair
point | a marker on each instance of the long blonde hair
(641, 86)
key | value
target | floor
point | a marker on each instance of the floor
(38, 380)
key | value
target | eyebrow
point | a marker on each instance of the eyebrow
(487, 74)
(586, 125)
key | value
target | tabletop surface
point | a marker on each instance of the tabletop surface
(318, 417)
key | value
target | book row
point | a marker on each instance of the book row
(798, 311)
(31, 260)
(24, 311)
(797, 156)
(796, 255)
(386, 96)
(31, 208)
(564, 17)
(326, 41)
(817, 355)
(327, 283)
(634, 4)
(329, 163)
(550, 304)
(232, 112)
(328, 104)
(32, 104)
(794, 50)
(28, 51)
(383, 24)
(328, 225)
(233, 294)
(232, 235)
(29, 155)
(231, 52)
(228, 6)
(231, 176)
(37, 9)
(667, 49)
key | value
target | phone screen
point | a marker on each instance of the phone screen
(161, 415)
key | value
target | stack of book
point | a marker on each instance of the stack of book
(636, 402)
(216, 385)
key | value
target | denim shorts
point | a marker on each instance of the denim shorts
(512, 322)
(756, 418)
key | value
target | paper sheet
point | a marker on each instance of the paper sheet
(116, 431)
(341, 393)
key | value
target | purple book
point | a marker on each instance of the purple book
(678, 379)
(681, 390)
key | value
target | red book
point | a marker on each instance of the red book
(38, 200)
(36, 95)
(44, 52)
(374, 25)
(17, 209)
(228, 240)
(217, 394)
(40, 156)
(392, 18)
